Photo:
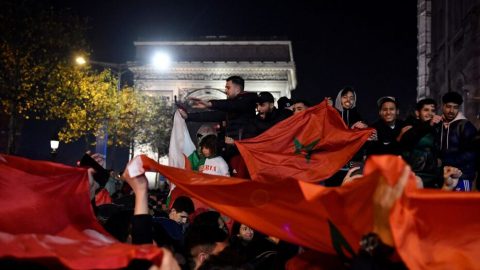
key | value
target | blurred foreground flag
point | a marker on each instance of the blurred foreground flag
(47, 218)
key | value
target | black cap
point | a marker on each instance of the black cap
(284, 102)
(265, 97)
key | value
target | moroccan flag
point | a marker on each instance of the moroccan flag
(427, 224)
(309, 146)
(46, 215)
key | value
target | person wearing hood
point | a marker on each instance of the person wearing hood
(456, 137)
(345, 104)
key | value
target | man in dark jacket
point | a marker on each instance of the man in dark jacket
(418, 143)
(237, 111)
(267, 115)
(456, 137)
(387, 128)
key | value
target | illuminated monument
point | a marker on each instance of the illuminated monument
(199, 68)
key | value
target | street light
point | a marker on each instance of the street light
(80, 60)
(54, 143)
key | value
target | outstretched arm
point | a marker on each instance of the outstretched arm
(141, 221)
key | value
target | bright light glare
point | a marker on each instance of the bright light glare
(80, 60)
(54, 144)
(161, 60)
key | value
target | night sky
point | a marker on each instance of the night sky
(366, 44)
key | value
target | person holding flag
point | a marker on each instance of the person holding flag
(238, 110)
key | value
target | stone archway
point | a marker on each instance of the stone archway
(206, 94)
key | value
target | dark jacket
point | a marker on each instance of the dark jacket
(456, 138)
(387, 139)
(238, 112)
(420, 151)
(259, 125)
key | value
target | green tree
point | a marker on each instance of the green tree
(142, 119)
(156, 128)
(36, 48)
(87, 103)
(91, 102)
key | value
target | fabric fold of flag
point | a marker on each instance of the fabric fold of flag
(309, 146)
(438, 230)
(46, 214)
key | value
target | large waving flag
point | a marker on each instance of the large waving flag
(432, 229)
(309, 146)
(46, 214)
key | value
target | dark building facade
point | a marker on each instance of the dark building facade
(449, 51)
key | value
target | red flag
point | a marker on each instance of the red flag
(46, 214)
(332, 220)
(307, 214)
(438, 230)
(102, 197)
(309, 146)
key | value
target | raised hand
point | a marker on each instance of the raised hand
(349, 178)
(200, 104)
(451, 175)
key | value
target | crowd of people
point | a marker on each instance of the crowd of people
(441, 149)
(426, 140)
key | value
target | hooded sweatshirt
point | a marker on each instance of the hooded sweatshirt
(456, 137)
(349, 116)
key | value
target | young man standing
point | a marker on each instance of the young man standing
(455, 138)
(418, 143)
(387, 128)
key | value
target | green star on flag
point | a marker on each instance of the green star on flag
(304, 149)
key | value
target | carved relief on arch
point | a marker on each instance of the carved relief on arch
(202, 93)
